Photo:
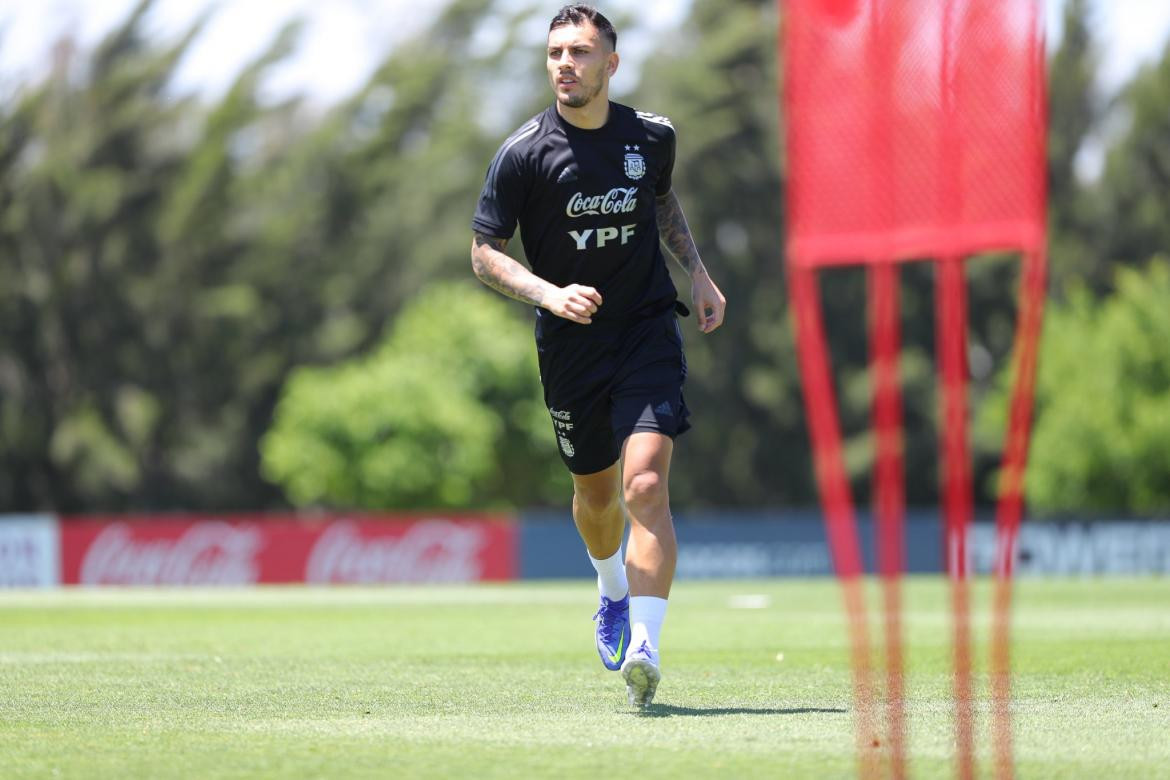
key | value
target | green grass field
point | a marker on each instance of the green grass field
(502, 681)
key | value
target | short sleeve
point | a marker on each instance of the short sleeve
(664, 179)
(502, 197)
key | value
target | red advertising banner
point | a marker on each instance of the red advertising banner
(251, 549)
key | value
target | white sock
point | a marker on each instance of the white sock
(646, 616)
(611, 576)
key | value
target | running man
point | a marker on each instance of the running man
(589, 182)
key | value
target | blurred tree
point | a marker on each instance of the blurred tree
(1095, 226)
(1075, 110)
(164, 264)
(86, 367)
(1103, 400)
(1135, 210)
(140, 371)
(447, 412)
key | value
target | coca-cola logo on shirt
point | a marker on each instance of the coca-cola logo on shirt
(429, 551)
(619, 200)
(210, 553)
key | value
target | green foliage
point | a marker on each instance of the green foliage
(1075, 111)
(1103, 401)
(90, 313)
(445, 413)
(165, 263)
(1136, 222)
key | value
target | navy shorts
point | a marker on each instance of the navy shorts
(599, 389)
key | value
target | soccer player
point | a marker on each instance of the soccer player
(589, 182)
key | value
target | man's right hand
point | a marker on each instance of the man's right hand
(574, 302)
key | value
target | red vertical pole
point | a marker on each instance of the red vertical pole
(951, 315)
(951, 334)
(889, 492)
(1011, 499)
(833, 484)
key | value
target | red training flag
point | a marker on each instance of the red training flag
(915, 130)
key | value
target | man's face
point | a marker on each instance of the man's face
(579, 63)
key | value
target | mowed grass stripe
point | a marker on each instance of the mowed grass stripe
(502, 681)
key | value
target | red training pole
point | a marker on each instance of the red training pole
(951, 335)
(1028, 330)
(889, 492)
(833, 485)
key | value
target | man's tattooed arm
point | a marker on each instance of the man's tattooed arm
(575, 302)
(676, 235)
(500, 272)
(710, 304)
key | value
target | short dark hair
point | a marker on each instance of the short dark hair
(577, 13)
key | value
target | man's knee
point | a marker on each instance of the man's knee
(595, 497)
(645, 490)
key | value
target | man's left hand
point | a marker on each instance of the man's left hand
(709, 301)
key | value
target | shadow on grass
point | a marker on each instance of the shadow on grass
(670, 710)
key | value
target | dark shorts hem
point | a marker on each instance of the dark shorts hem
(625, 433)
(585, 469)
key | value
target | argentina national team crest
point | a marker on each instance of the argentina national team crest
(635, 164)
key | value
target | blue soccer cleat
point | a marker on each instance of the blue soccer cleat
(613, 631)
(642, 675)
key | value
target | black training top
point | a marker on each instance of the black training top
(585, 202)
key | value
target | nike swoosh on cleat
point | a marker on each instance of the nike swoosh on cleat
(621, 641)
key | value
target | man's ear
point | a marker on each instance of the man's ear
(612, 65)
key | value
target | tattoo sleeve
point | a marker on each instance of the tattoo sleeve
(504, 274)
(676, 235)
